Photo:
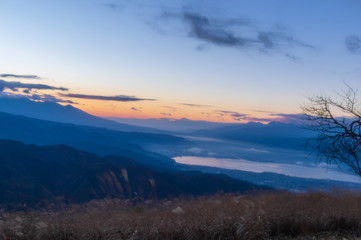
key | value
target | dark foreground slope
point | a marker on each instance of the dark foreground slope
(34, 176)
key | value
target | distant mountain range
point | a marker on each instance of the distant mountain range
(140, 146)
(35, 176)
(183, 125)
(274, 134)
(52, 111)
(149, 143)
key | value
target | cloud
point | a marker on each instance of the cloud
(166, 114)
(48, 98)
(275, 117)
(119, 98)
(194, 105)
(241, 116)
(353, 44)
(112, 6)
(216, 32)
(229, 112)
(292, 57)
(202, 28)
(136, 109)
(14, 86)
(36, 97)
(235, 115)
(272, 117)
(274, 39)
(173, 109)
(239, 33)
(6, 75)
(288, 118)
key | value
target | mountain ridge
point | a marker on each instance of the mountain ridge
(52, 111)
(91, 139)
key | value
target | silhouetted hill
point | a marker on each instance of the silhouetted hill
(95, 140)
(34, 176)
(274, 134)
(52, 111)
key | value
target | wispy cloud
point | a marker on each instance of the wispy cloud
(203, 29)
(272, 117)
(119, 98)
(217, 32)
(230, 112)
(235, 115)
(7, 75)
(239, 33)
(36, 97)
(136, 109)
(48, 98)
(173, 109)
(288, 118)
(29, 90)
(194, 105)
(14, 86)
(353, 44)
(113, 6)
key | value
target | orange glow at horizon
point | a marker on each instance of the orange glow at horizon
(157, 110)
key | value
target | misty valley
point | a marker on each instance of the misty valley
(243, 156)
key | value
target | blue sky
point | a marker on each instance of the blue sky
(226, 60)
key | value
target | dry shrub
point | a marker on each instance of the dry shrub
(264, 216)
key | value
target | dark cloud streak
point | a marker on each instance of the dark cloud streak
(239, 33)
(194, 105)
(113, 6)
(6, 75)
(136, 109)
(353, 44)
(48, 98)
(119, 98)
(272, 117)
(201, 28)
(14, 86)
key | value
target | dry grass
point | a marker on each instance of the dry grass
(266, 216)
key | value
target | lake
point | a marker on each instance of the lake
(317, 171)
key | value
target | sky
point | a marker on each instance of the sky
(225, 61)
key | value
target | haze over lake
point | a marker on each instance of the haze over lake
(319, 171)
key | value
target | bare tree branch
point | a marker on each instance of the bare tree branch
(338, 124)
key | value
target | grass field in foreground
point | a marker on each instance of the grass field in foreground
(314, 215)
